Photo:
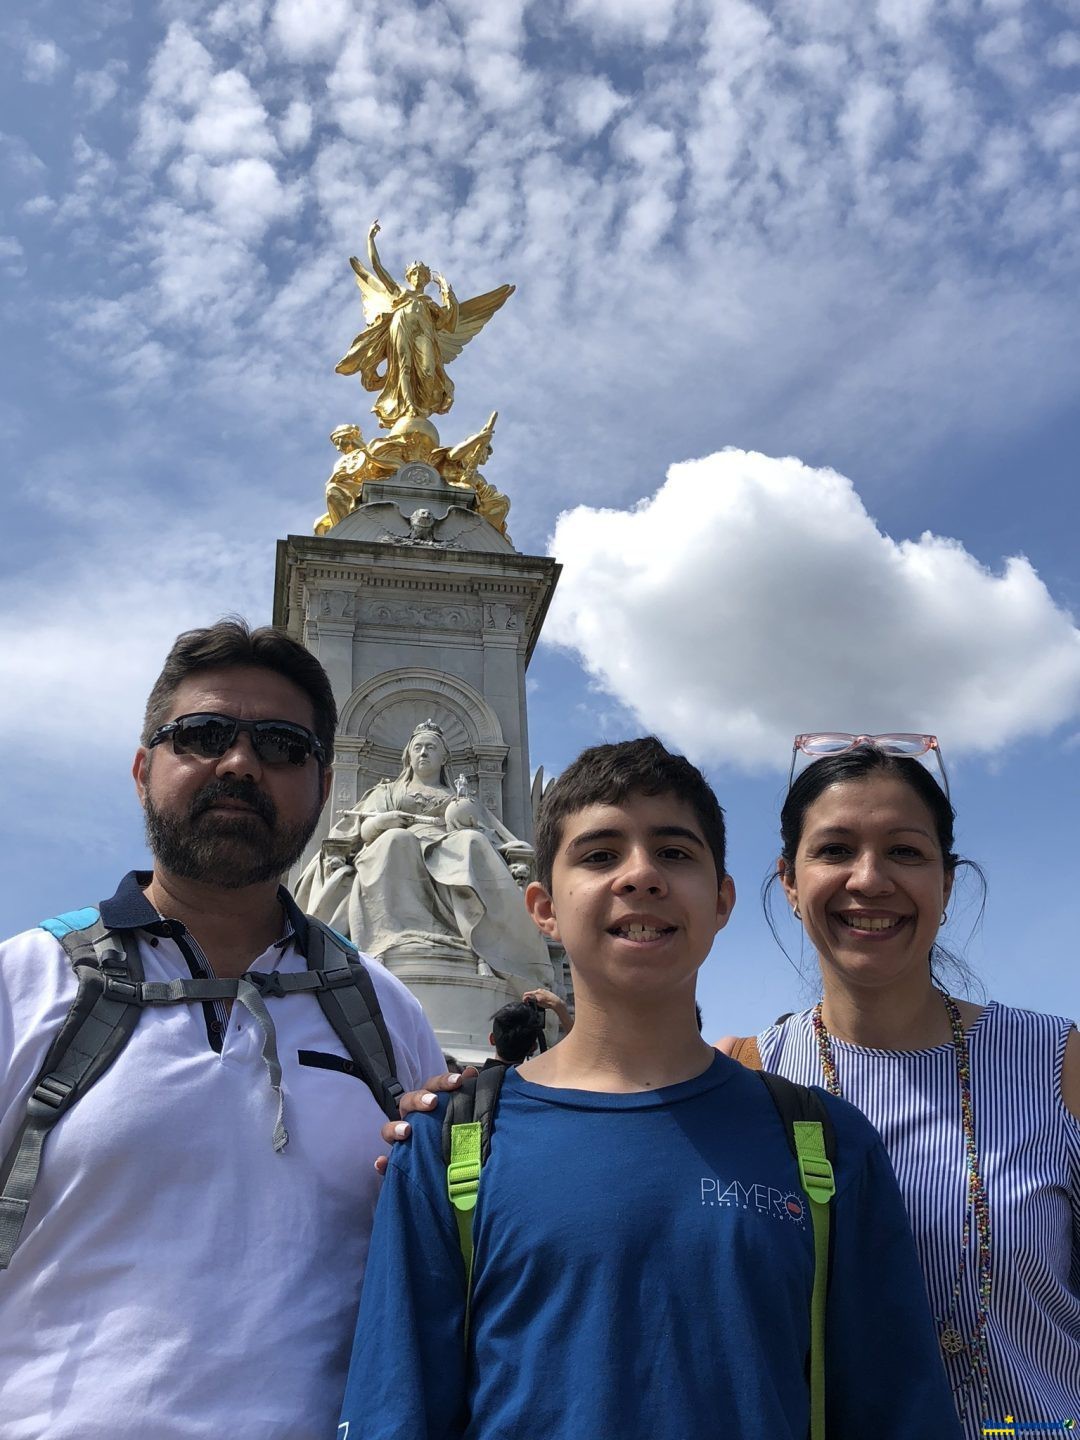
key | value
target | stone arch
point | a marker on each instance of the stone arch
(381, 714)
(367, 712)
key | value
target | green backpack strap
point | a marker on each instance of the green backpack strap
(809, 1130)
(466, 1142)
(97, 1027)
(347, 996)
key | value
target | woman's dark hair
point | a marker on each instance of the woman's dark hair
(232, 642)
(517, 1028)
(855, 765)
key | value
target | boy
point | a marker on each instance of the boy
(643, 1251)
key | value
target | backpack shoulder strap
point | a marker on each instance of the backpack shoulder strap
(745, 1051)
(97, 1027)
(812, 1140)
(466, 1143)
(347, 996)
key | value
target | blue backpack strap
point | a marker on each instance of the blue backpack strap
(105, 1011)
(812, 1140)
(61, 925)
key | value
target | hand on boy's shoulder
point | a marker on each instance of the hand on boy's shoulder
(422, 1101)
(726, 1044)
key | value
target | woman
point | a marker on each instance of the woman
(416, 865)
(977, 1105)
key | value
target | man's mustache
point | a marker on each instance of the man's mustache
(244, 791)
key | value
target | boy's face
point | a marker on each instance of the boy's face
(634, 893)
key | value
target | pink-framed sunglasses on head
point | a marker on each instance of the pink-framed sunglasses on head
(831, 742)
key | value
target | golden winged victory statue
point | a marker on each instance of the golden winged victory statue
(409, 338)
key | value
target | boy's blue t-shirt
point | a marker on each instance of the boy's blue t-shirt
(643, 1267)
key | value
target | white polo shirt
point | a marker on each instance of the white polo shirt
(176, 1278)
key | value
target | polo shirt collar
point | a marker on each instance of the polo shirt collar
(129, 909)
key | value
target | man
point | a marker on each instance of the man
(517, 1029)
(516, 1032)
(190, 1260)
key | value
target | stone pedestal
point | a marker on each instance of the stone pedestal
(458, 1004)
(409, 629)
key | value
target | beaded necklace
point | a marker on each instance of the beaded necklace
(951, 1339)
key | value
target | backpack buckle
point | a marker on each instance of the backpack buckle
(816, 1174)
(334, 979)
(119, 988)
(463, 1183)
(52, 1091)
(265, 982)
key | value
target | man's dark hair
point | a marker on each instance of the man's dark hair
(608, 775)
(232, 642)
(517, 1028)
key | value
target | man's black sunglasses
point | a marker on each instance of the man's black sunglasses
(275, 742)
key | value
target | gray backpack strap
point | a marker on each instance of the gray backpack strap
(349, 1002)
(96, 1029)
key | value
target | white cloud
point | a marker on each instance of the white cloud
(42, 61)
(753, 597)
(908, 19)
(1004, 50)
(1058, 125)
(866, 121)
(647, 20)
(230, 120)
(294, 127)
(311, 29)
(12, 257)
(1002, 161)
(592, 102)
(248, 196)
(97, 88)
(178, 77)
(1065, 50)
(18, 159)
(238, 19)
(103, 653)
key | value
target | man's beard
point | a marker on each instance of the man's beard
(229, 851)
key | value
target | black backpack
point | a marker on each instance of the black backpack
(106, 1010)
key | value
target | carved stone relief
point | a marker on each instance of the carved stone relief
(424, 617)
(498, 616)
(337, 604)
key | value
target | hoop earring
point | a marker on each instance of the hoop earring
(795, 911)
(944, 917)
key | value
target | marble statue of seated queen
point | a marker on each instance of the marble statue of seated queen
(418, 869)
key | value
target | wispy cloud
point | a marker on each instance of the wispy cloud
(843, 230)
(43, 60)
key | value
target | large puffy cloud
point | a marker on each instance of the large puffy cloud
(753, 597)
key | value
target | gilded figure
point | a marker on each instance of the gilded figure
(347, 477)
(409, 338)
(460, 465)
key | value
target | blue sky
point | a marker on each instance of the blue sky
(788, 384)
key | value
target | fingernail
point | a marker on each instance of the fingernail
(427, 1098)
(401, 1130)
(453, 1080)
